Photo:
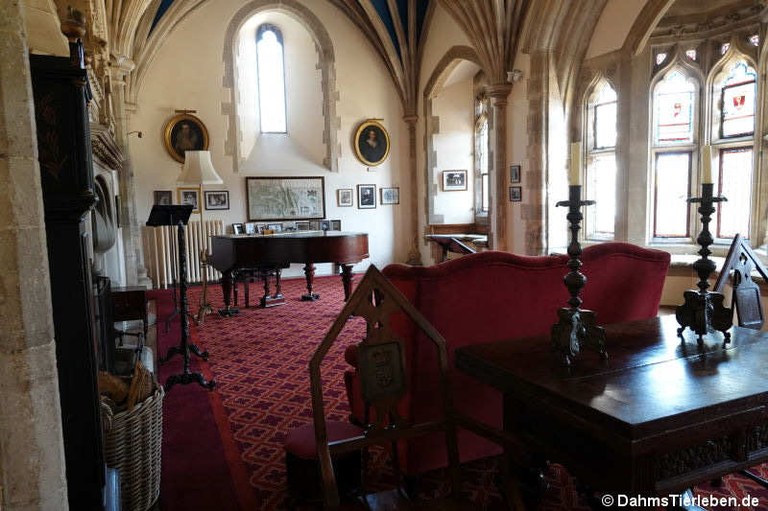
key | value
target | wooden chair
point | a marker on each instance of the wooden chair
(382, 365)
(739, 264)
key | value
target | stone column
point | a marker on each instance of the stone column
(497, 238)
(414, 256)
(135, 271)
(32, 472)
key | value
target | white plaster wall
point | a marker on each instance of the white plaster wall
(187, 73)
(614, 24)
(454, 148)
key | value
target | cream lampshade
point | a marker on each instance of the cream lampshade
(198, 170)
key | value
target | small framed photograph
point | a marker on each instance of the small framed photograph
(344, 197)
(238, 228)
(275, 227)
(216, 199)
(515, 193)
(514, 173)
(325, 225)
(390, 196)
(302, 225)
(335, 225)
(366, 196)
(163, 197)
(314, 225)
(250, 228)
(454, 180)
(190, 196)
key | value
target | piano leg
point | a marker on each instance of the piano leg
(269, 299)
(309, 273)
(227, 280)
(346, 279)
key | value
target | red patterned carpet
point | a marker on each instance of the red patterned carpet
(224, 449)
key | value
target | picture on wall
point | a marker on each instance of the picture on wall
(514, 173)
(371, 142)
(454, 180)
(238, 228)
(189, 196)
(390, 196)
(366, 196)
(216, 199)
(163, 197)
(344, 197)
(285, 198)
(515, 193)
(184, 132)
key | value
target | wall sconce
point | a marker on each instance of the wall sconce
(138, 133)
(514, 76)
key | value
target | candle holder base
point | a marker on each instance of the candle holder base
(702, 312)
(575, 329)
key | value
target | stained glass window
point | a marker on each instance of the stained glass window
(737, 94)
(269, 58)
(754, 40)
(674, 109)
(691, 54)
(660, 57)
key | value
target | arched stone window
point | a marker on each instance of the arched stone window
(601, 161)
(270, 68)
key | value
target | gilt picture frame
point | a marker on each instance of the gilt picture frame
(285, 198)
(184, 132)
(371, 142)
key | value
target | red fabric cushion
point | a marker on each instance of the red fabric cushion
(301, 443)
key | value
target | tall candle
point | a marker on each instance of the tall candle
(706, 164)
(574, 171)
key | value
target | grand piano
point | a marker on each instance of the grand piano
(233, 252)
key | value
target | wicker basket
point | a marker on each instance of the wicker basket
(133, 445)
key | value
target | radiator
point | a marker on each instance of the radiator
(161, 252)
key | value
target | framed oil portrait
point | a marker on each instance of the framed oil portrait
(454, 180)
(515, 193)
(344, 197)
(285, 198)
(366, 196)
(371, 142)
(216, 199)
(163, 197)
(390, 196)
(189, 196)
(184, 132)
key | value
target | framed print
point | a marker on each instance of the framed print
(184, 132)
(238, 228)
(366, 196)
(325, 225)
(285, 198)
(344, 197)
(515, 193)
(216, 199)
(371, 142)
(454, 180)
(189, 196)
(302, 225)
(275, 228)
(514, 173)
(163, 197)
(390, 196)
(335, 225)
(250, 228)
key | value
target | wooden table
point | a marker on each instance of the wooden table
(658, 417)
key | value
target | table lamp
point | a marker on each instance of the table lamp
(198, 171)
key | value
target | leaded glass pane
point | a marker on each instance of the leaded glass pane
(269, 54)
(735, 185)
(691, 54)
(674, 109)
(738, 101)
(660, 57)
(605, 117)
(601, 187)
(671, 194)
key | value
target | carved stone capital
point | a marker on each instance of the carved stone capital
(499, 92)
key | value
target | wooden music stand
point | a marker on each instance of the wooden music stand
(179, 215)
(745, 299)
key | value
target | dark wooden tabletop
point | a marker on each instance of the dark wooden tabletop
(651, 380)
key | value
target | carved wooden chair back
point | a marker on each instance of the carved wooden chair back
(742, 261)
(381, 356)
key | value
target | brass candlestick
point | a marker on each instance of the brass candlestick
(576, 327)
(703, 310)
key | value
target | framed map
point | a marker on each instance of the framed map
(285, 198)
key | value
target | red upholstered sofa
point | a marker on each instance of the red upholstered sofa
(490, 296)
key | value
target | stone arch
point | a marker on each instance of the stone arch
(326, 65)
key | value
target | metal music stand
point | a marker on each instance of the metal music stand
(179, 215)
